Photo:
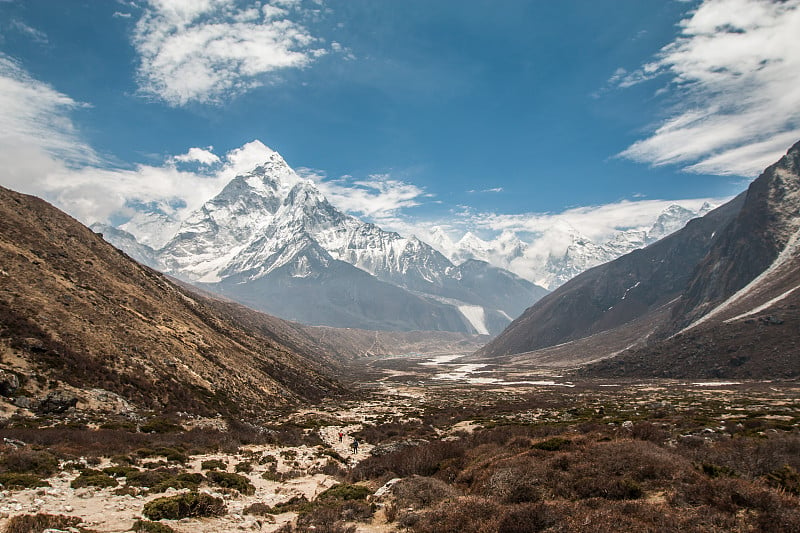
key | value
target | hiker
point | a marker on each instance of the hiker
(355, 446)
(341, 436)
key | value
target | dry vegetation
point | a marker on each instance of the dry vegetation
(632, 457)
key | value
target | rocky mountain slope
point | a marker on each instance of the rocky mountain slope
(701, 301)
(271, 240)
(77, 316)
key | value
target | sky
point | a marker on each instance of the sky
(467, 114)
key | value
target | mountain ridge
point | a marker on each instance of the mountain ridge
(732, 310)
(270, 233)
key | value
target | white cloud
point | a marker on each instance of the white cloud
(209, 50)
(120, 14)
(199, 155)
(42, 153)
(379, 198)
(35, 35)
(35, 114)
(735, 71)
(596, 222)
(493, 189)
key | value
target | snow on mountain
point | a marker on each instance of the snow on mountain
(560, 252)
(151, 228)
(265, 223)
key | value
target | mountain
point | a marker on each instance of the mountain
(123, 240)
(717, 298)
(271, 240)
(535, 261)
(77, 316)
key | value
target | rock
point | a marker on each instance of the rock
(9, 382)
(84, 492)
(386, 488)
(34, 345)
(391, 447)
(58, 401)
(26, 402)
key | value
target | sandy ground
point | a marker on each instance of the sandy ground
(102, 510)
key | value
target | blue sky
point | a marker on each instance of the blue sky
(472, 114)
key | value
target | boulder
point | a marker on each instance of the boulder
(58, 401)
(9, 382)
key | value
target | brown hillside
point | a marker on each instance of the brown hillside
(74, 309)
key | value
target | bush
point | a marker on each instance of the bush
(258, 508)
(214, 464)
(553, 445)
(464, 515)
(150, 478)
(120, 471)
(786, 478)
(160, 425)
(29, 462)
(145, 526)
(186, 505)
(231, 481)
(37, 523)
(93, 478)
(181, 481)
(13, 480)
(244, 466)
(344, 492)
(420, 492)
(527, 518)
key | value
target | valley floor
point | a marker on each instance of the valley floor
(444, 446)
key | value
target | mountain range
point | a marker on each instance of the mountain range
(551, 269)
(716, 298)
(271, 240)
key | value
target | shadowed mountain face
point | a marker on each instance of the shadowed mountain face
(717, 298)
(613, 294)
(75, 310)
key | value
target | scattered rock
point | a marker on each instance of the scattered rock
(33, 344)
(26, 403)
(58, 401)
(9, 382)
(391, 447)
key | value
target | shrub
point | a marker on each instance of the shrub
(244, 466)
(186, 505)
(526, 518)
(214, 464)
(120, 471)
(150, 478)
(160, 425)
(231, 481)
(786, 478)
(93, 478)
(421, 492)
(181, 481)
(608, 488)
(258, 508)
(13, 480)
(553, 445)
(37, 523)
(145, 526)
(464, 515)
(29, 462)
(344, 492)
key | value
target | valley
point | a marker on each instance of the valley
(441, 449)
